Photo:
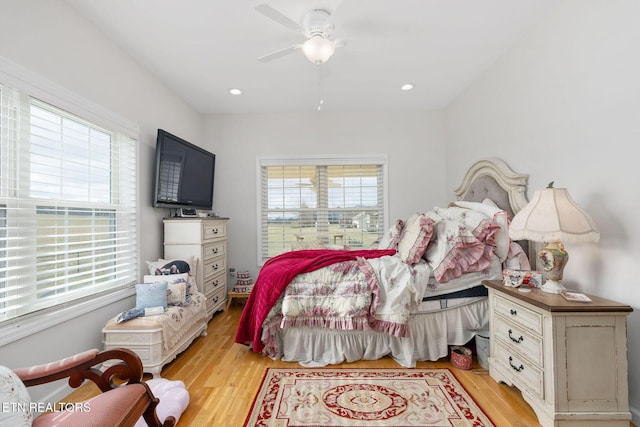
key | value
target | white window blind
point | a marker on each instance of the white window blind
(335, 202)
(67, 206)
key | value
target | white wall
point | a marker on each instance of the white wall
(564, 106)
(413, 143)
(50, 39)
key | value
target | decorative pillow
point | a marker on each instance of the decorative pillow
(169, 279)
(129, 314)
(135, 312)
(500, 217)
(177, 294)
(15, 396)
(415, 238)
(151, 295)
(168, 265)
(171, 266)
(178, 289)
(392, 236)
(490, 203)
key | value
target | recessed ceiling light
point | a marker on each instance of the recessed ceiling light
(235, 91)
(407, 86)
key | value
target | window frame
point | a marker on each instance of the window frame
(35, 86)
(317, 160)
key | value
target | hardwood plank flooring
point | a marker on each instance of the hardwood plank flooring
(223, 377)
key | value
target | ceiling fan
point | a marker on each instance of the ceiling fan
(316, 26)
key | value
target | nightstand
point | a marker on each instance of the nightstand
(569, 359)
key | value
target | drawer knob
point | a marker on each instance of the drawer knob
(513, 312)
(214, 251)
(215, 300)
(214, 231)
(518, 340)
(515, 368)
(215, 283)
(214, 267)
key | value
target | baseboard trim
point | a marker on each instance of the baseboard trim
(635, 415)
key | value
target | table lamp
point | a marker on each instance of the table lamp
(552, 217)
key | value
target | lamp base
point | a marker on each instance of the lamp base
(553, 287)
(553, 258)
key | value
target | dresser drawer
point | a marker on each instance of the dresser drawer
(213, 283)
(518, 314)
(213, 231)
(216, 300)
(517, 338)
(213, 266)
(212, 250)
(525, 375)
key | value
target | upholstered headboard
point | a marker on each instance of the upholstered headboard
(493, 179)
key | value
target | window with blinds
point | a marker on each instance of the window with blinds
(67, 207)
(320, 201)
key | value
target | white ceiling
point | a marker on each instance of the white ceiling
(202, 48)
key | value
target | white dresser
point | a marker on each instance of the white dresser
(569, 359)
(206, 239)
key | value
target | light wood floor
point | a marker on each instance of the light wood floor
(222, 378)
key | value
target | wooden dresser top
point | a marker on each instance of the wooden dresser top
(556, 302)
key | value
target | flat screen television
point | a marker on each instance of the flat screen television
(184, 174)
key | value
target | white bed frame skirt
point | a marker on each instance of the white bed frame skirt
(430, 337)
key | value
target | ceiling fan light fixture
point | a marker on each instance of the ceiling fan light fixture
(318, 49)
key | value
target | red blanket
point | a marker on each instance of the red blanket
(274, 277)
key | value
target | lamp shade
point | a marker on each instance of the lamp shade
(318, 49)
(553, 215)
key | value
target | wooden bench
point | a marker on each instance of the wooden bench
(233, 295)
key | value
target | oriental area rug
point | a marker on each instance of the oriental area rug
(363, 397)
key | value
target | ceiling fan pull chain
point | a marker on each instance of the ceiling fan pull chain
(320, 88)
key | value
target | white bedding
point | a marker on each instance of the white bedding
(324, 316)
(430, 325)
(430, 336)
(466, 281)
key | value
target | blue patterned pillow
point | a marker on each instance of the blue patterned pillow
(151, 295)
(129, 314)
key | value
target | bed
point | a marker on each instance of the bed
(418, 292)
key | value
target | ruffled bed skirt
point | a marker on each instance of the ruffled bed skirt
(430, 335)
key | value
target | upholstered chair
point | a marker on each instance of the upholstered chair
(117, 373)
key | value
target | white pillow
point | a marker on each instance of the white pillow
(178, 289)
(499, 216)
(14, 395)
(391, 238)
(177, 294)
(156, 266)
(414, 238)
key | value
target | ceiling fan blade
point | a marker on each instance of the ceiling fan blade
(279, 53)
(271, 13)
